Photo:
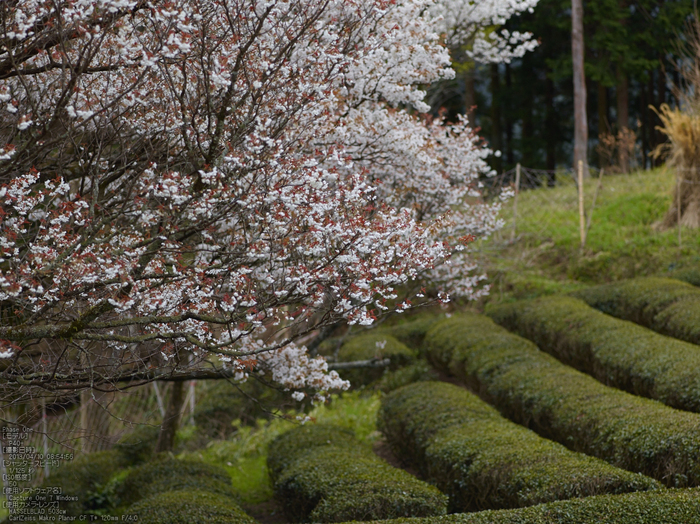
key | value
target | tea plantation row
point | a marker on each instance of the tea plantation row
(577, 449)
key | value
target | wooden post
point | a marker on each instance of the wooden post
(45, 431)
(581, 210)
(3, 474)
(678, 205)
(192, 401)
(159, 399)
(515, 200)
(595, 199)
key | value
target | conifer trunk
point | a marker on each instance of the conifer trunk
(580, 117)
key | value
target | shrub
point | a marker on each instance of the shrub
(188, 507)
(560, 403)
(322, 474)
(411, 331)
(84, 478)
(689, 275)
(652, 507)
(169, 474)
(483, 461)
(373, 344)
(223, 403)
(668, 306)
(139, 445)
(419, 371)
(616, 352)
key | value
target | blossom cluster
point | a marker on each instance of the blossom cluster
(229, 176)
(475, 24)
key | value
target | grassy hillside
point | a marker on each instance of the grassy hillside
(623, 241)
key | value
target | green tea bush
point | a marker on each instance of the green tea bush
(616, 352)
(675, 506)
(483, 461)
(373, 344)
(138, 446)
(170, 474)
(84, 477)
(560, 403)
(323, 474)
(668, 306)
(689, 275)
(419, 371)
(188, 507)
(411, 330)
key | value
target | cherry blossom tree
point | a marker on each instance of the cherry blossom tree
(476, 26)
(189, 189)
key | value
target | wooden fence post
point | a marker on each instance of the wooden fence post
(581, 210)
(678, 205)
(45, 431)
(515, 200)
(595, 199)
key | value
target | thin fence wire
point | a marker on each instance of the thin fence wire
(60, 431)
(547, 207)
(543, 188)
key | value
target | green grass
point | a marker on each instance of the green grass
(624, 240)
(244, 454)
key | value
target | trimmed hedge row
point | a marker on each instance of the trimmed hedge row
(170, 474)
(676, 506)
(411, 330)
(373, 344)
(689, 275)
(189, 507)
(83, 478)
(172, 491)
(560, 403)
(323, 474)
(483, 461)
(87, 476)
(419, 371)
(138, 446)
(616, 352)
(668, 306)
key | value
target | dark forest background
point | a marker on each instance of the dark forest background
(525, 108)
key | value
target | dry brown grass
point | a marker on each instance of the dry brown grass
(682, 152)
(682, 127)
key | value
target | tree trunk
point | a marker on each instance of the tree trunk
(661, 95)
(528, 139)
(623, 118)
(651, 121)
(508, 120)
(550, 132)
(496, 139)
(469, 95)
(171, 421)
(580, 117)
(645, 124)
(603, 124)
(622, 92)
